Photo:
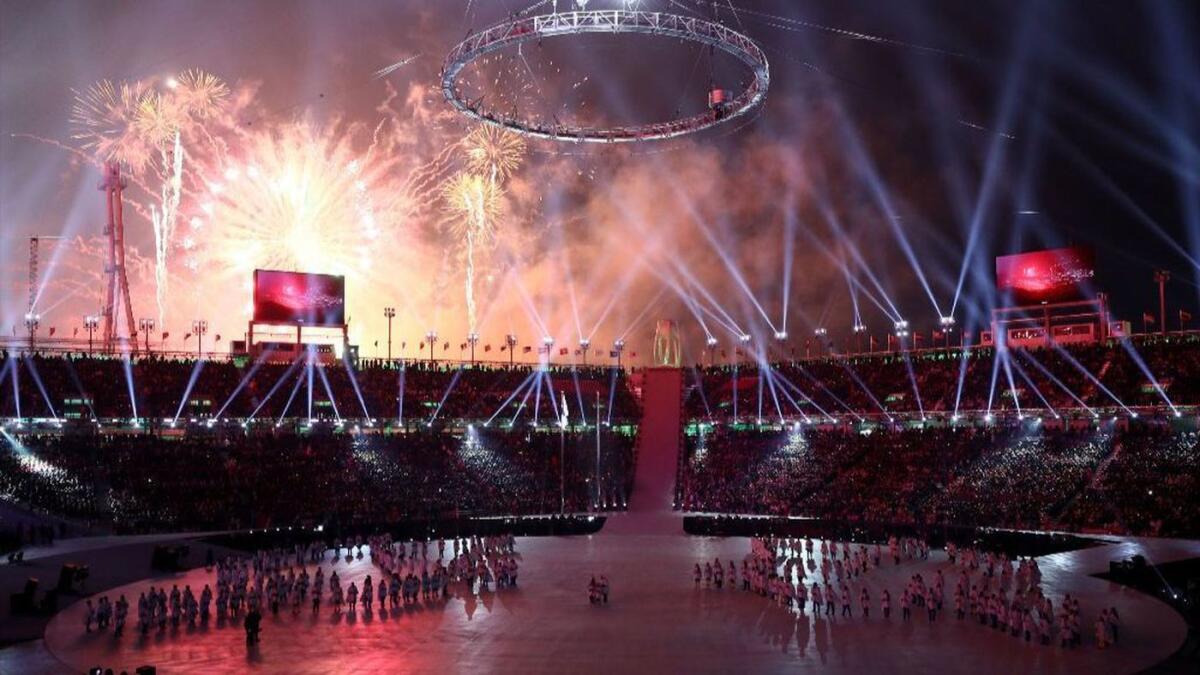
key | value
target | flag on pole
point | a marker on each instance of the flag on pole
(76, 332)
(1147, 317)
(1184, 317)
(52, 329)
(421, 346)
(403, 345)
(563, 351)
(503, 347)
(218, 338)
(185, 337)
(527, 349)
(487, 348)
(445, 346)
(165, 335)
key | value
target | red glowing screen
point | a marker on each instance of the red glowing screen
(297, 297)
(1052, 275)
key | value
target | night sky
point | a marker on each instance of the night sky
(1039, 123)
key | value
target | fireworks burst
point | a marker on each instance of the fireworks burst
(198, 94)
(300, 198)
(494, 152)
(474, 203)
(106, 120)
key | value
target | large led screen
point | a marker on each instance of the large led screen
(297, 297)
(1052, 275)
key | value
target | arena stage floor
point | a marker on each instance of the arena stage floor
(656, 621)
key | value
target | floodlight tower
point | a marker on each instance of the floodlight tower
(147, 326)
(32, 321)
(117, 288)
(510, 341)
(34, 243)
(473, 339)
(859, 329)
(431, 337)
(389, 313)
(1161, 277)
(584, 343)
(90, 323)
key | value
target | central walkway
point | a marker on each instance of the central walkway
(650, 506)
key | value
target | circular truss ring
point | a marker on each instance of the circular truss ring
(519, 31)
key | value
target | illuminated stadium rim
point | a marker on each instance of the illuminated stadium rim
(1036, 415)
(531, 29)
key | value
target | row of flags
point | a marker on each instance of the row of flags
(1147, 318)
(545, 349)
(1184, 317)
(75, 333)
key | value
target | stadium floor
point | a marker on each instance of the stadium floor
(657, 621)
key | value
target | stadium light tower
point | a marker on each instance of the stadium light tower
(901, 327)
(1161, 277)
(431, 337)
(510, 341)
(711, 344)
(618, 349)
(858, 329)
(146, 326)
(584, 344)
(199, 328)
(548, 346)
(947, 323)
(389, 313)
(90, 323)
(32, 321)
(473, 339)
(744, 340)
(820, 333)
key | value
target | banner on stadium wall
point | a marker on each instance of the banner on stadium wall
(1050, 275)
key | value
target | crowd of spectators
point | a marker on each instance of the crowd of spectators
(151, 482)
(928, 381)
(407, 392)
(1149, 486)
(1118, 478)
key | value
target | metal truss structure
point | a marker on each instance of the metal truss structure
(523, 30)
